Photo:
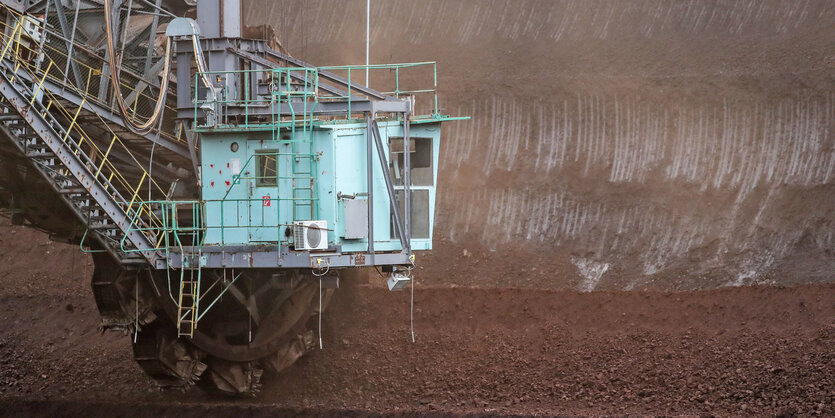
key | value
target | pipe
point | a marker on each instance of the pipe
(367, 37)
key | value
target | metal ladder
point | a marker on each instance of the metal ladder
(188, 300)
(187, 308)
(303, 166)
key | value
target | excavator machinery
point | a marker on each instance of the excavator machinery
(221, 186)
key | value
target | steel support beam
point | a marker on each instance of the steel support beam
(68, 35)
(270, 257)
(322, 108)
(161, 171)
(329, 76)
(407, 182)
(110, 117)
(405, 237)
(269, 64)
(142, 85)
(369, 167)
(104, 83)
(39, 60)
(151, 37)
(191, 139)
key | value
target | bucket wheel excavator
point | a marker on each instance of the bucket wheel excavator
(222, 187)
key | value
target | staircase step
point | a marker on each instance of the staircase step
(58, 175)
(41, 155)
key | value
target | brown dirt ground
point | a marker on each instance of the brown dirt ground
(765, 350)
(731, 351)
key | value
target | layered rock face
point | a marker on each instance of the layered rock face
(613, 144)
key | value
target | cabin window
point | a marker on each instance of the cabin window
(420, 214)
(420, 151)
(266, 172)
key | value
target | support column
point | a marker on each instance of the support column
(104, 83)
(407, 184)
(68, 34)
(369, 118)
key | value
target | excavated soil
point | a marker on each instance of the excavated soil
(746, 350)
(613, 145)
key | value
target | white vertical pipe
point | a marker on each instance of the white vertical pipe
(367, 36)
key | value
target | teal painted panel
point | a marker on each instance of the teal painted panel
(253, 211)
(228, 220)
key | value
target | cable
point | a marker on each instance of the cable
(320, 313)
(159, 8)
(412, 306)
(412, 301)
(147, 126)
(136, 323)
(201, 61)
(319, 262)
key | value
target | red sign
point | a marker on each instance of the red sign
(267, 200)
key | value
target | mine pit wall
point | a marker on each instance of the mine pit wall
(614, 144)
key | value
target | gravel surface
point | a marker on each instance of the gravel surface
(731, 351)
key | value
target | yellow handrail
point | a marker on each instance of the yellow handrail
(53, 104)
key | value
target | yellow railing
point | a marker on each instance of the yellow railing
(78, 141)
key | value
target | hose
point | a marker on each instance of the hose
(201, 62)
(136, 127)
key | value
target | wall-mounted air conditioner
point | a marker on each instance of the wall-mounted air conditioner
(310, 235)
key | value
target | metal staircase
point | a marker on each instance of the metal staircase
(81, 173)
(67, 130)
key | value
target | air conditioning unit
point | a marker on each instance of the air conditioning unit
(310, 235)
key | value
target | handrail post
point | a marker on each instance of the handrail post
(435, 90)
(349, 94)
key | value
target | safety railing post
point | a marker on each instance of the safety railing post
(435, 89)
